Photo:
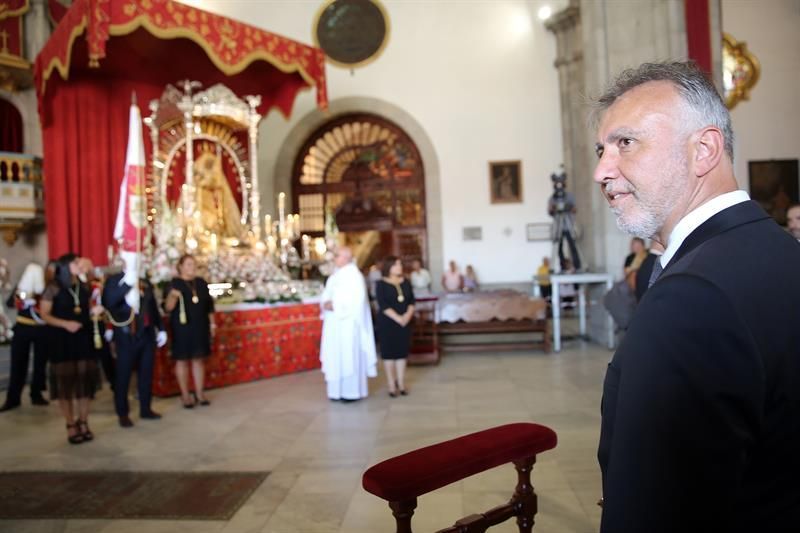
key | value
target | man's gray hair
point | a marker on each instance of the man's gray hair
(704, 105)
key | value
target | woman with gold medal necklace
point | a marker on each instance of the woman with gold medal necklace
(395, 310)
(191, 316)
(73, 364)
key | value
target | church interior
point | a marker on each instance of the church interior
(270, 134)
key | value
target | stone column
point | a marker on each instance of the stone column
(596, 39)
(37, 29)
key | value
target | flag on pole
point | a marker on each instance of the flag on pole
(131, 216)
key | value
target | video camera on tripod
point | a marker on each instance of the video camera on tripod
(562, 208)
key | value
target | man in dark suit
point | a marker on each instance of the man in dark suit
(137, 330)
(701, 401)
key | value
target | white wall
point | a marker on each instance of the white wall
(766, 126)
(478, 77)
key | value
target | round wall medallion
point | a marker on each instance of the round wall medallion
(352, 33)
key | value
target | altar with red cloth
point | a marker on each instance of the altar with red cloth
(252, 342)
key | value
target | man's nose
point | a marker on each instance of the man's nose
(606, 168)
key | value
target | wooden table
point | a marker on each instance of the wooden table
(492, 312)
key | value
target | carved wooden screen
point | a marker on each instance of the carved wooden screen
(369, 173)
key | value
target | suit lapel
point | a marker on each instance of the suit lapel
(736, 215)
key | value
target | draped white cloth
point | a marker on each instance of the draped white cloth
(347, 352)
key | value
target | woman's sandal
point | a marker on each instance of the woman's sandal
(74, 439)
(83, 427)
(189, 405)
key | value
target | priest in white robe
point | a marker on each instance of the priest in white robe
(348, 342)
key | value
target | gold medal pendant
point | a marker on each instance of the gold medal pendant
(195, 299)
(77, 309)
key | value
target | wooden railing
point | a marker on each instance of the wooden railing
(402, 479)
(20, 168)
(21, 193)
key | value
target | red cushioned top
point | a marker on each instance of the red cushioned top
(415, 473)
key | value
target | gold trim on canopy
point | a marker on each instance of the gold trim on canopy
(230, 45)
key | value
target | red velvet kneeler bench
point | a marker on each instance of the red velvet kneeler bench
(402, 479)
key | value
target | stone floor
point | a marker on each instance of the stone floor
(317, 449)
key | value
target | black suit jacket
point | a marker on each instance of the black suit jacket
(701, 402)
(643, 274)
(114, 301)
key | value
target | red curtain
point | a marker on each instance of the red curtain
(698, 32)
(86, 139)
(85, 128)
(11, 136)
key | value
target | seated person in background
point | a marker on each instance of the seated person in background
(470, 280)
(634, 260)
(543, 278)
(452, 280)
(420, 278)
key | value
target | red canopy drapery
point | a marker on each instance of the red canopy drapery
(140, 46)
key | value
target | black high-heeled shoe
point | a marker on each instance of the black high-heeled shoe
(392, 394)
(189, 405)
(403, 392)
(74, 439)
(83, 428)
(204, 402)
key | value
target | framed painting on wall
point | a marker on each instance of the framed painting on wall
(505, 182)
(775, 185)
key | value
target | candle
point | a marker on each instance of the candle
(268, 225)
(213, 242)
(306, 248)
(281, 213)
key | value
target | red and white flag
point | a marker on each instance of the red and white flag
(131, 215)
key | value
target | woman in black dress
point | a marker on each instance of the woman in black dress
(73, 366)
(191, 316)
(395, 299)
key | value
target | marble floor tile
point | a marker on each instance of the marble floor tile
(317, 450)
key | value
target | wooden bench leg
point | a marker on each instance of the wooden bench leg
(524, 498)
(403, 511)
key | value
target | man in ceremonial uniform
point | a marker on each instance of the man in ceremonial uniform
(348, 342)
(134, 314)
(29, 330)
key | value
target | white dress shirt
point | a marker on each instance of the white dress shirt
(695, 219)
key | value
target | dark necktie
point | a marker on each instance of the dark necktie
(657, 269)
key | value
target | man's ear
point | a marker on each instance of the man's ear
(709, 149)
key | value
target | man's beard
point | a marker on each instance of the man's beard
(655, 207)
(645, 226)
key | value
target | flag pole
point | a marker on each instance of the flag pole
(140, 212)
